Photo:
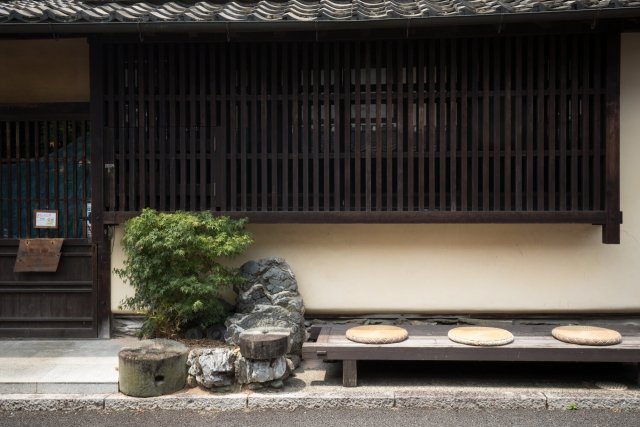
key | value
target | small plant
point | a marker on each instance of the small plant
(573, 406)
(172, 262)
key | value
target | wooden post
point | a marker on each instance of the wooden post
(350, 373)
(103, 264)
(611, 227)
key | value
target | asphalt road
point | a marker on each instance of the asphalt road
(323, 418)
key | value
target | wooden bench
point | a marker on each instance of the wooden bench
(533, 343)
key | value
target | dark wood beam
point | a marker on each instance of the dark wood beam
(424, 217)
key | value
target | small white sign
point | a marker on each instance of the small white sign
(46, 219)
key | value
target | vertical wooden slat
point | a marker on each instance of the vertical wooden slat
(133, 143)
(152, 123)
(29, 194)
(233, 142)
(122, 131)
(421, 123)
(410, 125)
(390, 122)
(47, 172)
(453, 125)
(611, 229)
(346, 124)
(486, 124)
(202, 125)
(56, 172)
(316, 113)
(378, 136)
(285, 127)
(173, 130)
(18, 166)
(213, 127)
(540, 124)
(337, 92)
(189, 105)
(358, 129)
(183, 128)
(575, 67)
(530, 127)
(564, 141)
(586, 122)
(141, 79)
(75, 214)
(306, 128)
(264, 150)
(442, 123)
(399, 77)
(295, 125)
(223, 133)
(464, 132)
(326, 128)
(475, 75)
(86, 180)
(551, 120)
(254, 126)
(273, 109)
(597, 128)
(163, 129)
(244, 126)
(64, 214)
(497, 124)
(519, 129)
(431, 65)
(367, 129)
(507, 120)
(38, 183)
(10, 178)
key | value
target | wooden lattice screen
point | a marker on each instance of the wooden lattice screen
(44, 164)
(504, 129)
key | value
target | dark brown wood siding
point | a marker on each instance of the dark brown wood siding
(503, 129)
(60, 304)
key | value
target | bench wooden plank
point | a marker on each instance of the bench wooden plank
(532, 343)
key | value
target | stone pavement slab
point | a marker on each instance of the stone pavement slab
(47, 375)
(60, 366)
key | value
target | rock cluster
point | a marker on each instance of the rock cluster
(268, 303)
(268, 298)
(219, 368)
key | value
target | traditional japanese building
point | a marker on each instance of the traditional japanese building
(403, 156)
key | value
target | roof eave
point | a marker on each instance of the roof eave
(315, 25)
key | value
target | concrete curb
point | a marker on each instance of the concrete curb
(481, 399)
(437, 398)
(593, 399)
(291, 401)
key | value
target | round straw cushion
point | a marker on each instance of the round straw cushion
(586, 335)
(480, 336)
(377, 334)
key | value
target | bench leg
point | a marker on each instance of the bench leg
(350, 373)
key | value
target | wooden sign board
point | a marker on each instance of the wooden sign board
(45, 219)
(38, 255)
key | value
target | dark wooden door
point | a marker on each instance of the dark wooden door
(60, 304)
(45, 165)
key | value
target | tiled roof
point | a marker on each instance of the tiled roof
(76, 11)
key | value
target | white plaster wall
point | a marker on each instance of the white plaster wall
(468, 268)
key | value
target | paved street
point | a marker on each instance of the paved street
(323, 418)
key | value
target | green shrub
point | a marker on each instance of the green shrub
(172, 264)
